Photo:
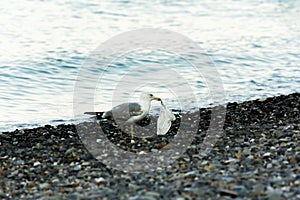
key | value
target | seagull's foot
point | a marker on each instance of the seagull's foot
(145, 140)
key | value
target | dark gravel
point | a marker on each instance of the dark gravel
(257, 157)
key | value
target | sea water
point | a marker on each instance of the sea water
(254, 46)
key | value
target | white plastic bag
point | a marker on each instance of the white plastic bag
(164, 120)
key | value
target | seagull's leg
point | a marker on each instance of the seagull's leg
(132, 133)
(121, 129)
(121, 134)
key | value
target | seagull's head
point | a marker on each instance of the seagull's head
(149, 97)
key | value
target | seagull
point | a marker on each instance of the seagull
(129, 113)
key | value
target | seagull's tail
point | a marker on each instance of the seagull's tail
(99, 115)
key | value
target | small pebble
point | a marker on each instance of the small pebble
(44, 186)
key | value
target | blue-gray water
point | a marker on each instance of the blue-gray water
(255, 46)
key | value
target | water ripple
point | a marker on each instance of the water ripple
(254, 45)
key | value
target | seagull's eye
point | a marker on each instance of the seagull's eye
(151, 95)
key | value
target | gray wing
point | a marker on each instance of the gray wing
(124, 111)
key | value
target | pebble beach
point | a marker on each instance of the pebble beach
(257, 157)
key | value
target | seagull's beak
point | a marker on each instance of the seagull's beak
(157, 99)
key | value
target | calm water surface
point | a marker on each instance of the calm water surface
(255, 46)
